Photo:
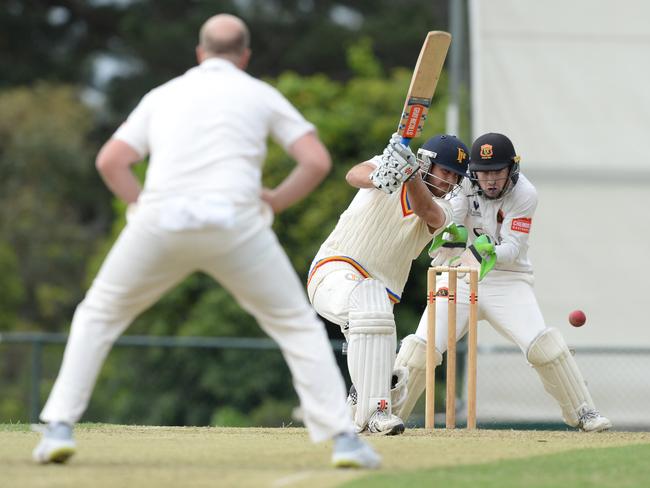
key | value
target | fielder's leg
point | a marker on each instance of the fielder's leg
(562, 379)
(371, 354)
(134, 275)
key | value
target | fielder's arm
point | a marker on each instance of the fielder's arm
(313, 164)
(114, 163)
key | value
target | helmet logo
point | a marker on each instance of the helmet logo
(486, 151)
(462, 156)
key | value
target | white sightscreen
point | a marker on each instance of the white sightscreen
(568, 81)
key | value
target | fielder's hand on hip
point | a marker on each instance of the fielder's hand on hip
(481, 254)
(448, 246)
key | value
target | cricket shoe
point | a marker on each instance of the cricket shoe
(592, 421)
(352, 452)
(382, 422)
(56, 445)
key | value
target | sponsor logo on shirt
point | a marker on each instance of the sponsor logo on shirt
(522, 224)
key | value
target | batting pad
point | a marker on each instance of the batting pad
(559, 372)
(412, 355)
(371, 348)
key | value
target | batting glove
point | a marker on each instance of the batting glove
(400, 158)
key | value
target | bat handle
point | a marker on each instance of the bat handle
(406, 141)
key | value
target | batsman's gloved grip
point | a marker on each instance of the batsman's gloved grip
(485, 254)
(385, 179)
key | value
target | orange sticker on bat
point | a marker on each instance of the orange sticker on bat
(522, 224)
(413, 121)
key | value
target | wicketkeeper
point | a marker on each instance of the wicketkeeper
(493, 214)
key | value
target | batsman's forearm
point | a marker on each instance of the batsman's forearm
(123, 183)
(423, 204)
(300, 183)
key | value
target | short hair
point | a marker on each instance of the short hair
(219, 45)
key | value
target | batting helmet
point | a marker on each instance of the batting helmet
(446, 151)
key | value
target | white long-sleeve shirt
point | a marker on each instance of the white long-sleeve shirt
(507, 221)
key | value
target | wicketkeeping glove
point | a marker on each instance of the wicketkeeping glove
(448, 246)
(480, 254)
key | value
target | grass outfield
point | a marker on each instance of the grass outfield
(161, 457)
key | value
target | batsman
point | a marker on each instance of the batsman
(493, 213)
(360, 270)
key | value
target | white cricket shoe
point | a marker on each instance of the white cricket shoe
(592, 421)
(352, 452)
(382, 422)
(56, 445)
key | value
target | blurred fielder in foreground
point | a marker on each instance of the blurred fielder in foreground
(203, 209)
(497, 205)
(361, 268)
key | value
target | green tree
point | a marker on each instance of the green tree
(52, 203)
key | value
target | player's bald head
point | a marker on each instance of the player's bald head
(225, 36)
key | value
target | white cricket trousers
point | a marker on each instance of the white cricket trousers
(505, 299)
(247, 260)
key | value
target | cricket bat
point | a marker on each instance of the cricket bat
(423, 84)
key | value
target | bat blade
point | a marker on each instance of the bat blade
(423, 84)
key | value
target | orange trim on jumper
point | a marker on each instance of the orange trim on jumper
(392, 296)
(406, 205)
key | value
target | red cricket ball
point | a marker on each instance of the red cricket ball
(577, 318)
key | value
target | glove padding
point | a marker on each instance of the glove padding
(481, 254)
(448, 246)
(397, 165)
(400, 158)
(385, 179)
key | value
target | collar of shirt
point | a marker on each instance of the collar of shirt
(217, 63)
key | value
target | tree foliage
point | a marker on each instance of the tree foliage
(51, 203)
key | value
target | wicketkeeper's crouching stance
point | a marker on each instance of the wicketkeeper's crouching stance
(360, 270)
(496, 206)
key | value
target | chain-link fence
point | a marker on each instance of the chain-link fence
(509, 392)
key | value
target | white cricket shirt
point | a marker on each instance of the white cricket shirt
(206, 132)
(507, 221)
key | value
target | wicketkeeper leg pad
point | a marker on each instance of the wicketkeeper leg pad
(371, 348)
(557, 368)
(412, 355)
